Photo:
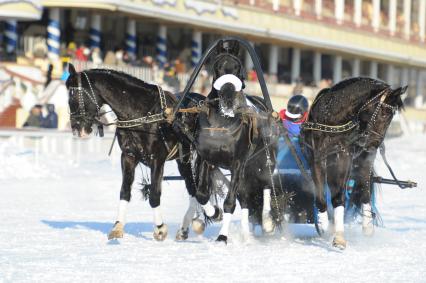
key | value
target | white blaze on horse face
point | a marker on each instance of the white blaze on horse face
(227, 217)
(122, 211)
(158, 217)
(208, 209)
(339, 216)
(228, 78)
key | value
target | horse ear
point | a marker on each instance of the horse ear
(71, 69)
(220, 46)
(404, 89)
(235, 48)
(399, 91)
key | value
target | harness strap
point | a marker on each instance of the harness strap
(160, 117)
(172, 152)
(329, 129)
(383, 154)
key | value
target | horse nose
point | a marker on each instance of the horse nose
(228, 87)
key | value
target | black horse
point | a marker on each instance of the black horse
(346, 125)
(230, 130)
(143, 133)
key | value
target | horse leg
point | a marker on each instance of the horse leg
(128, 165)
(318, 172)
(243, 196)
(160, 229)
(267, 222)
(337, 176)
(203, 191)
(230, 203)
(186, 172)
(363, 183)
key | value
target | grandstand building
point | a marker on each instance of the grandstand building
(309, 40)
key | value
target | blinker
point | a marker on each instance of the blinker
(107, 116)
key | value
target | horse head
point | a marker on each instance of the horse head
(83, 101)
(375, 119)
(228, 77)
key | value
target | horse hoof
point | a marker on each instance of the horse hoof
(218, 214)
(339, 241)
(222, 239)
(198, 226)
(368, 231)
(267, 223)
(117, 231)
(182, 234)
(160, 232)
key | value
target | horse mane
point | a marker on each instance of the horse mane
(126, 78)
(349, 95)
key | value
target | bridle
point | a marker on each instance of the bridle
(362, 140)
(81, 114)
(379, 99)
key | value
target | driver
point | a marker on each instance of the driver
(295, 114)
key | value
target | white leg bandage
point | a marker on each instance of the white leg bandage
(323, 220)
(227, 217)
(189, 213)
(122, 211)
(339, 216)
(208, 209)
(367, 215)
(158, 217)
(267, 200)
(245, 221)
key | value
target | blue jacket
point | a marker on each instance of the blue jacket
(286, 164)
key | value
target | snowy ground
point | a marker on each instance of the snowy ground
(56, 216)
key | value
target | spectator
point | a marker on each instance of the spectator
(48, 76)
(252, 75)
(119, 57)
(51, 120)
(179, 66)
(82, 53)
(96, 57)
(36, 118)
(298, 88)
(147, 62)
(110, 58)
(205, 84)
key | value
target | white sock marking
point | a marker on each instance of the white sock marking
(266, 200)
(209, 209)
(367, 216)
(158, 218)
(189, 213)
(122, 211)
(245, 221)
(323, 220)
(339, 216)
(227, 217)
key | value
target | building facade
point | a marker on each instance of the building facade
(308, 40)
